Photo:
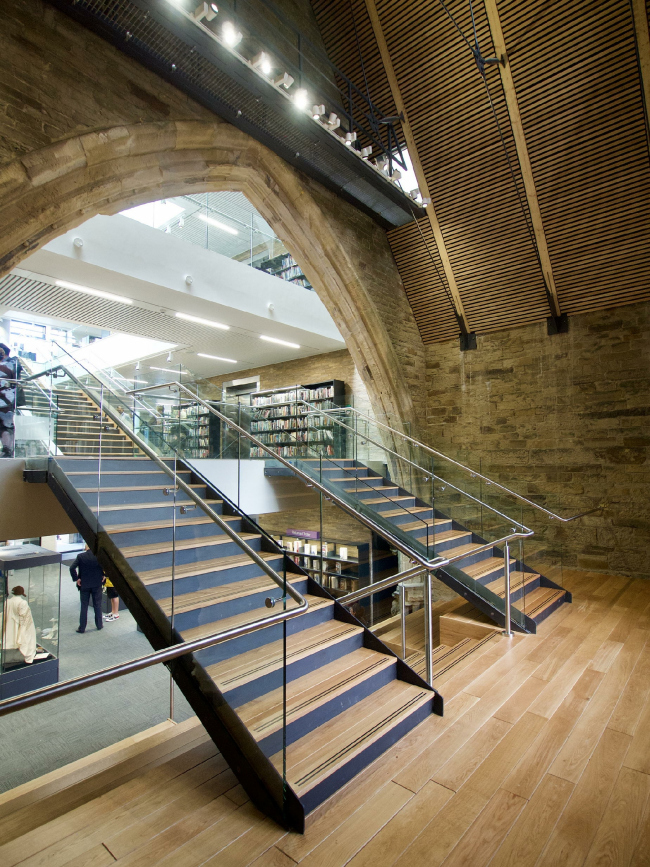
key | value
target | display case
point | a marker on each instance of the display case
(30, 583)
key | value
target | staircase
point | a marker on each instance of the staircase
(348, 696)
(531, 593)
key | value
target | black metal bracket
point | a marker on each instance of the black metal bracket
(467, 341)
(557, 324)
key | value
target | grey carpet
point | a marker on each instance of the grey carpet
(46, 737)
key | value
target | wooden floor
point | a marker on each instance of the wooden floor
(542, 757)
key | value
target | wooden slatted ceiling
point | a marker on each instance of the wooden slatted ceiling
(485, 231)
(588, 147)
(575, 71)
(422, 273)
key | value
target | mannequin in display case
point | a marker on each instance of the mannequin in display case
(20, 632)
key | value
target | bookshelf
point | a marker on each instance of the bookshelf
(346, 566)
(286, 268)
(278, 420)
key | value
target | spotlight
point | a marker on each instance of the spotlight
(262, 61)
(169, 357)
(350, 137)
(395, 175)
(78, 242)
(366, 152)
(380, 162)
(301, 98)
(205, 10)
(426, 201)
(317, 111)
(285, 80)
(230, 35)
(137, 365)
(189, 280)
(333, 121)
(415, 194)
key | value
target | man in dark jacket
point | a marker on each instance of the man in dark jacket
(89, 576)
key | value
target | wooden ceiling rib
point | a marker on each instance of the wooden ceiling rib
(578, 90)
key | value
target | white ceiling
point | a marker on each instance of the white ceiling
(124, 257)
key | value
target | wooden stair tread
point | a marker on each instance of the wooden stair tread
(183, 544)
(245, 617)
(241, 669)
(116, 507)
(413, 510)
(539, 600)
(322, 752)
(121, 473)
(462, 549)
(352, 478)
(265, 715)
(385, 499)
(484, 567)
(156, 576)
(165, 525)
(445, 536)
(517, 581)
(183, 602)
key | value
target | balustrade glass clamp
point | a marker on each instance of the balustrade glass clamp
(186, 509)
(168, 491)
(270, 601)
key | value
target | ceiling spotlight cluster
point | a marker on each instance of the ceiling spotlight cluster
(206, 15)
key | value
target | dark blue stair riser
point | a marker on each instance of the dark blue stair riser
(71, 464)
(539, 618)
(139, 516)
(89, 480)
(192, 583)
(448, 544)
(220, 610)
(228, 649)
(310, 800)
(146, 562)
(166, 534)
(330, 473)
(406, 517)
(310, 721)
(518, 594)
(471, 559)
(155, 495)
(305, 665)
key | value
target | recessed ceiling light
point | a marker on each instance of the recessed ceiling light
(200, 321)
(282, 342)
(97, 293)
(216, 357)
(164, 369)
(212, 222)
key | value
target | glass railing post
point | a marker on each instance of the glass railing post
(506, 571)
(402, 613)
(428, 627)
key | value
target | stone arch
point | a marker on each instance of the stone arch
(49, 191)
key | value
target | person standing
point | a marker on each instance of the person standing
(89, 576)
(10, 370)
(112, 594)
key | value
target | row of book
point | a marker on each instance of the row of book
(297, 451)
(295, 394)
(298, 436)
(316, 423)
(294, 410)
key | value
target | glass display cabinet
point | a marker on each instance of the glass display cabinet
(30, 583)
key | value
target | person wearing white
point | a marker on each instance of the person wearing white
(20, 632)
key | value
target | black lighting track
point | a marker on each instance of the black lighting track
(162, 38)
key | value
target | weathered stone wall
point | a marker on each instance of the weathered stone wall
(565, 421)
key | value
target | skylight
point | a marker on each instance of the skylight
(154, 214)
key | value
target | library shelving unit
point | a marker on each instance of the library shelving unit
(343, 567)
(278, 419)
(191, 428)
(286, 268)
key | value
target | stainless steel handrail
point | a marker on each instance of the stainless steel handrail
(180, 484)
(427, 565)
(38, 696)
(456, 463)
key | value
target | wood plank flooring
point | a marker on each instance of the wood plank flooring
(542, 758)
